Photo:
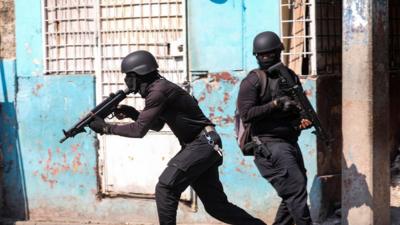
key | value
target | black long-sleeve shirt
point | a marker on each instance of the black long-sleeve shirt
(166, 103)
(267, 121)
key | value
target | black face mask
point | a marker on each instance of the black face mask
(132, 82)
(139, 84)
(266, 62)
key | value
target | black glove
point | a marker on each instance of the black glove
(124, 111)
(286, 104)
(99, 126)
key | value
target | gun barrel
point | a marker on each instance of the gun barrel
(63, 139)
(102, 110)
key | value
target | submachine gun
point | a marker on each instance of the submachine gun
(102, 110)
(297, 92)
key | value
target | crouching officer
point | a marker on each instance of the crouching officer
(196, 164)
(277, 122)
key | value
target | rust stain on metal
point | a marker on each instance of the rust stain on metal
(209, 88)
(211, 115)
(238, 170)
(224, 76)
(48, 162)
(76, 163)
(243, 164)
(220, 120)
(228, 119)
(75, 147)
(52, 169)
(226, 97)
(46, 179)
(202, 97)
(36, 89)
(308, 93)
(65, 166)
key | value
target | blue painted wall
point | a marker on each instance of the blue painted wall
(60, 181)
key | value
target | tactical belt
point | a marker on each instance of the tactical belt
(204, 132)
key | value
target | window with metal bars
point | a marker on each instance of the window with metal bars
(69, 36)
(311, 32)
(297, 22)
(329, 36)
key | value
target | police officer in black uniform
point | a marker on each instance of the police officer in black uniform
(196, 164)
(276, 121)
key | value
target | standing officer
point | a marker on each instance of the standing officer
(276, 121)
(196, 164)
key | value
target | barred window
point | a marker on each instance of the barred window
(311, 31)
(69, 36)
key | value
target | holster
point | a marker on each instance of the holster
(262, 148)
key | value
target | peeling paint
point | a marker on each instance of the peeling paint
(202, 97)
(75, 147)
(355, 29)
(35, 91)
(224, 76)
(76, 163)
(226, 97)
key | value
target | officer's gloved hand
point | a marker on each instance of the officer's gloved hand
(291, 106)
(124, 111)
(99, 126)
(216, 138)
(286, 104)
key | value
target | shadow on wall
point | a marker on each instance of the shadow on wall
(360, 196)
(15, 202)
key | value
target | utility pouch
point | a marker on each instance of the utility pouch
(263, 147)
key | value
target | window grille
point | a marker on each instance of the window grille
(312, 35)
(69, 36)
(329, 36)
(394, 40)
(297, 33)
(152, 25)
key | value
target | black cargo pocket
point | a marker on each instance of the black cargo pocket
(268, 171)
(171, 176)
(276, 178)
(191, 156)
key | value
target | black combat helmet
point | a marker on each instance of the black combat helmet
(140, 62)
(266, 42)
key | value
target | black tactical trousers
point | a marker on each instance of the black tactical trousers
(281, 163)
(197, 165)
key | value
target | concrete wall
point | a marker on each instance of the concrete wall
(7, 29)
(60, 181)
